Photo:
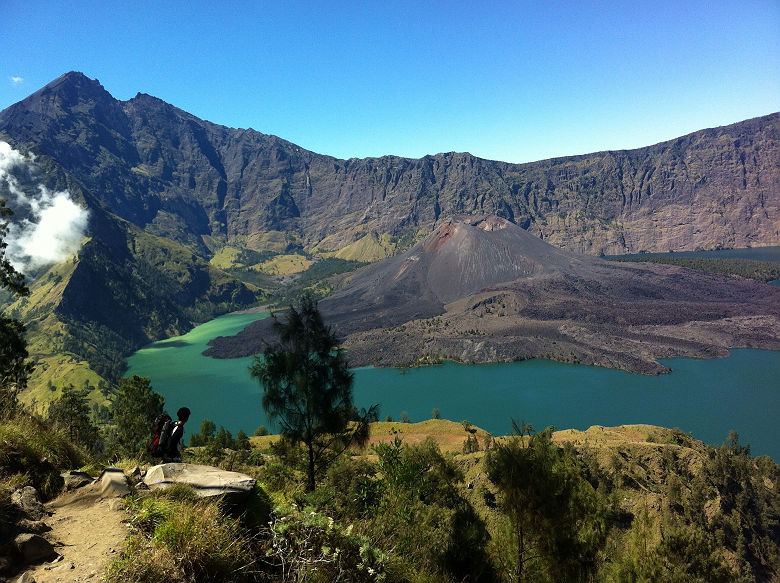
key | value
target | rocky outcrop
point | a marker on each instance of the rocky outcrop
(207, 481)
(74, 480)
(29, 502)
(33, 548)
(185, 178)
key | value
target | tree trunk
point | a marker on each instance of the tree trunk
(520, 552)
(310, 477)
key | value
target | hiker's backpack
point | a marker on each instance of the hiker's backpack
(161, 433)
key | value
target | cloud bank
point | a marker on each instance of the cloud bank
(56, 224)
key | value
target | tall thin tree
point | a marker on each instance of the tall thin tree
(307, 388)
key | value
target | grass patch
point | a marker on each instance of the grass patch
(180, 538)
(33, 454)
(370, 248)
(285, 265)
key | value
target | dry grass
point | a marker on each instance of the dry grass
(448, 434)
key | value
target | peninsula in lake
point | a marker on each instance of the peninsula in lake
(485, 290)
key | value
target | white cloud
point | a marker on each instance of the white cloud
(56, 224)
(8, 159)
(17, 80)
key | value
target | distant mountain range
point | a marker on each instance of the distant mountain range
(169, 194)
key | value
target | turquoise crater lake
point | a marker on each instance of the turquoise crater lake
(704, 397)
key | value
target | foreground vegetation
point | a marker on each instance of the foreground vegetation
(439, 501)
(631, 504)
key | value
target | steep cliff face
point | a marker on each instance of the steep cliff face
(184, 178)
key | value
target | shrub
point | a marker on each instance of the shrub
(423, 516)
(350, 490)
(312, 547)
(178, 539)
(256, 509)
(255, 458)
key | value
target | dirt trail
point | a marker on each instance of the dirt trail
(87, 532)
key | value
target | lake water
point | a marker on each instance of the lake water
(704, 397)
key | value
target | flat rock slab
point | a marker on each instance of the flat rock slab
(205, 480)
(113, 484)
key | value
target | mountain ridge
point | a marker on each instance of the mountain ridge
(717, 187)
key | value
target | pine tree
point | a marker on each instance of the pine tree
(135, 408)
(242, 441)
(307, 388)
(71, 413)
(558, 519)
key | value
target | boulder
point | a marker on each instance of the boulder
(25, 578)
(33, 548)
(28, 500)
(113, 484)
(74, 480)
(205, 480)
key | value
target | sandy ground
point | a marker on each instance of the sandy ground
(87, 532)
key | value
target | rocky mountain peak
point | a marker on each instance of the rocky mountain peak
(66, 92)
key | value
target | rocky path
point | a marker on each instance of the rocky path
(87, 532)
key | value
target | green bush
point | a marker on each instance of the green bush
(255, 511)
(255, 458)
(423, 516)
(312, 547)
(351, 490)
(178, 539)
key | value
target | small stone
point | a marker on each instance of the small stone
(113, 484)
(25, 578)
(116, 505)
(65, 567)
(34, 548)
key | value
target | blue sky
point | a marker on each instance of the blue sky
(515, 81)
